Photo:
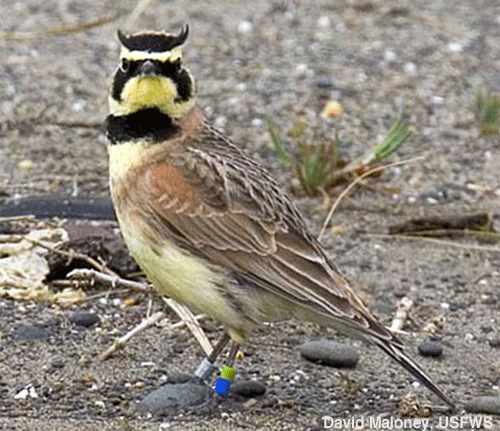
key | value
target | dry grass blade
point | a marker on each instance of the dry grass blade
(354, 183)
(60, 31)
(188, 317)
(120, 342)
(439, 242)
(17, 218)
(401, 315)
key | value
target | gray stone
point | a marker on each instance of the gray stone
(171, 397)
(248, 388)
(486, 405)
(494, 342)
(84, 318)
(430, 348)
(330, 353)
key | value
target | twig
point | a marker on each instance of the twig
(111, 279)
(17, 218)
(77, 28)
(401, 314)
(436, 241)
(118, 344)
(188, 318)
(75, 255)
(356, 181)
(180, 324)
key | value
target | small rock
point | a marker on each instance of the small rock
(329, 353)
(57, 364)
(455, 47)
(28, 391)
(78, 105)
(436, 100)
(84, 318)
(494, 342)
(430, 348)
(174, 396)
(27, 165)
(301, 70)
(324, 21)
(410, 68)
(431, 201)
(245, 27)
(220, 122)
(486, 405)
(324, 83)
(390, 56)
(248, 388)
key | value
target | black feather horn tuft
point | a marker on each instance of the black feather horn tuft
(153, 42)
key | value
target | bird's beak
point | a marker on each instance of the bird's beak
(149, 68)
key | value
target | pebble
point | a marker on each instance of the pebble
(324, 83)
(390, 56)
(220, 122)
(410, 68)
(430, 348)
(330, 353)
(455, 47)
(324, 21)
(170, 397)
(436, 100)
(486, 405)
(257, 122)
(248, 388)
(84, 318)
(301, 70)
(245, 27)
(28, 391)
(26, 165)
(494, 342)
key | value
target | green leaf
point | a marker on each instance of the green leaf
(279, 148)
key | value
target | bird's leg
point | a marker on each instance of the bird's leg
(232, 354)
(227, 372)
(207, 365)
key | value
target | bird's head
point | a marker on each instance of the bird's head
(151, 74)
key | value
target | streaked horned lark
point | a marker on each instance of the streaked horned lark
(209, 226)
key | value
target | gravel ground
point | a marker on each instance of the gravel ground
(256, 61)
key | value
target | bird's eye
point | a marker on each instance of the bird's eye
(124, 65)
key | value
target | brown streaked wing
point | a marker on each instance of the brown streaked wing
(236, 215)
